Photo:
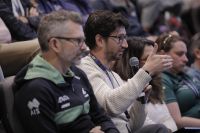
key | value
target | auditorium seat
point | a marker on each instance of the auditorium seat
(14, 56)
(10, 120)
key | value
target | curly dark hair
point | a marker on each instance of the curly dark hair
(102, 22)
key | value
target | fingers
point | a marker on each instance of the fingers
(157, 63)
(167, 65)
(167, 62)
(147, 88)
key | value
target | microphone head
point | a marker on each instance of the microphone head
(85, 53)
(134, 62)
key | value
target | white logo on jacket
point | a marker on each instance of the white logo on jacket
(84, 93)
(63, 98)
(34, 106)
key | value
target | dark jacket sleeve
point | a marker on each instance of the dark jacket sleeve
(99, 117)
(19, 30)
(97, 113)
(35, 107)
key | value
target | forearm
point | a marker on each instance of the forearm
(116, 101)
(182, 121)
(99, 116)
(187, 122)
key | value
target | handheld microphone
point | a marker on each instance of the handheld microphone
(134, 64)
(85, 53)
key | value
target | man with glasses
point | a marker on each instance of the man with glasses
(52, 95)
(106, 37)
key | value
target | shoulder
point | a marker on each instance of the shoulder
(77, 71)
(191, 71)
(39, 89)
(86, 61)
(38, 86)
(167, 77)
(88, 65)
(80, 73)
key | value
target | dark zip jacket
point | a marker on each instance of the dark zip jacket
(48, 102)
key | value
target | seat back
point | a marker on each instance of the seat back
(10, 120)
(14, 56)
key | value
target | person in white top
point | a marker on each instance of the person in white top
(106, 37)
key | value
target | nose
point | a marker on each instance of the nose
(83, 46)
(125, 44)
(185, 59)
(84, 50)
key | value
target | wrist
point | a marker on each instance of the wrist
(148, 71)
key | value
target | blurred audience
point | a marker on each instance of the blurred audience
(156, 108)
(151, 10)
(20, 17)
(190, 15)
(126, 8)
(80, 6)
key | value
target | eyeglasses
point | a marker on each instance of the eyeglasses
(120, 38)
(79, 41)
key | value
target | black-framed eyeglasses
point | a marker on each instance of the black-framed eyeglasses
(120, 38)
(78, 41)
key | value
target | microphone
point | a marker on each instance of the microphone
(134, 64)
(85, 53)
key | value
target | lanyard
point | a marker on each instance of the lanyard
(104, 68)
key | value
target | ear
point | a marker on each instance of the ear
(54, 45)
(197, 53)
(99, 40)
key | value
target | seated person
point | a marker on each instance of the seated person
(51, 94)
(106, 37)
(20, 18)
(156, 108)
(80, 6)
(181, 94)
